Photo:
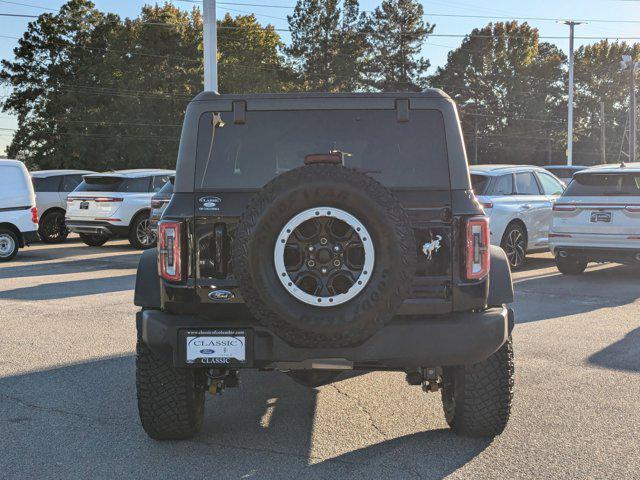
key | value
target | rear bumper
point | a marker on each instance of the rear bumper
(30, 237)
(97, 228)
(408, 342)
(594, 241)
(616, 255)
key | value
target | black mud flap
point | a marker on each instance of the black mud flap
(147, 294)
(500, 282)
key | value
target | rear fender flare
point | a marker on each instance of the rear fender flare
(500, 281)
(147, 293)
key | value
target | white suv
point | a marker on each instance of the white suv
(18, 212)
(598, 218)
(518, 200)
(52, 188)
(116, 204)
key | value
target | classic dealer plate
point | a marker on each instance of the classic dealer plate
(216, 347)
(600, 216)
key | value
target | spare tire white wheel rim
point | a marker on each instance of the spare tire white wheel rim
(324, 256)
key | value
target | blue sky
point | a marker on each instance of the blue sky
(436, 48)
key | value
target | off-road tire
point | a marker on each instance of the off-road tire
(16, 245)
(347, 324)
(133, 232)
(52, 228)
(93, 239)
(477, 398)
(571, 265)
(170, 404)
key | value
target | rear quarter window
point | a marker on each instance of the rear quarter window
(479, 184)
(46, 184)
(398, 154)
(604, 184)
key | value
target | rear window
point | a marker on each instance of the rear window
(562, 172)
(479, 184)
(603, 184)
(398, 154)
(114, 184)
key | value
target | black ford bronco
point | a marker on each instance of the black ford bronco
(317, 233)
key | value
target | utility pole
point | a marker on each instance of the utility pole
(603, 133)
(628, 64)
(210, 38)
(475, 142)
(572, 27)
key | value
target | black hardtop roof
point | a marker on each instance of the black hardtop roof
(429, 93)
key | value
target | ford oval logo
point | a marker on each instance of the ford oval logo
(210, 200)
(221, 295)
(207, 351)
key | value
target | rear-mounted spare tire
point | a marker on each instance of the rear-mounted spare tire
(325, 256)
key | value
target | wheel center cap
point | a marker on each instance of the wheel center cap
(324, 255)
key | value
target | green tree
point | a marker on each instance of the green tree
(94, 91)
(328, 45)
(248, 57)
(398, 31)
(598, 78)
(511, 86)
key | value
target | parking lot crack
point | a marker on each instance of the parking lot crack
(363, 409)
(45, 408)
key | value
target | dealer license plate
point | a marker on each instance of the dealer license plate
(600, 217)
(84, 205)
(216, 347)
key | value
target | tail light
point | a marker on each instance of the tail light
(107, 199)
(632, 208)
(477, 248)
(487, 205)
(170, 250)
(564, 207)
(34, 214)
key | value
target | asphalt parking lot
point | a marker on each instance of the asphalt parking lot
(68, 406)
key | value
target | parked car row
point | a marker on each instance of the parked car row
(518, 201)
(115, 205)
(47, 205)
(595, 219)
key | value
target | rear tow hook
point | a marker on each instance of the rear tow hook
(429, 378)
(219, 379)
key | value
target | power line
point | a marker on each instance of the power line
(448, 15)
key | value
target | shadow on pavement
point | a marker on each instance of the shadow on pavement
(80, 421)
(537, 298)
(112, 262)
(40, 252)
(537, 262)
(73, 288)
(622, 355)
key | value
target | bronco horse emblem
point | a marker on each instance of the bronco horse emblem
(431, 248)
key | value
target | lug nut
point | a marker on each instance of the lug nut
(323, 241)
(336, 263)
(311, 264)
